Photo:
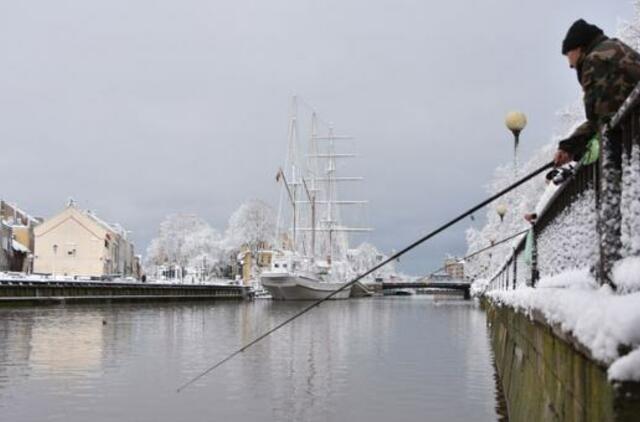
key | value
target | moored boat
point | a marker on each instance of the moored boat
(312, 261)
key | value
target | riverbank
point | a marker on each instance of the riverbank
(37, 292)
(567, 349)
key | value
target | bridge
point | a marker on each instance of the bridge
(463, 287)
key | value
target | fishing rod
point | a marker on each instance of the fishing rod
(371, 270)
(479, 251)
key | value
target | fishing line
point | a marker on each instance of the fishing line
(361, 276)
(479, 251)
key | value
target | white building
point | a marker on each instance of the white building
(78, 243)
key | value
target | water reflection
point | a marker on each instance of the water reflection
(374, 359)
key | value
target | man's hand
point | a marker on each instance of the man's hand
(561, 157)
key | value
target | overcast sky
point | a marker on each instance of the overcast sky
(138, 109)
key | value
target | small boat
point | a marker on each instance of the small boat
(259, 292)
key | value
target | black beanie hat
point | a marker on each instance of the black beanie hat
(580, 34)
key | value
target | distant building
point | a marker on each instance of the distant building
(265, 255)
(454, 267)
(12, 214)
(245, 259)
(21, 226)
(6, 252)
(78, 243)
(254, 263)
(137, 267)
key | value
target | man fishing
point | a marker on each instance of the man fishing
(608, 70)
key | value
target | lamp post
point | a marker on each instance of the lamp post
(55, 254)
(492, 241)
(501, 210)
(515, 122)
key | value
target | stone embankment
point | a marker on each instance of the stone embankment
(551, 369)
(47, 292)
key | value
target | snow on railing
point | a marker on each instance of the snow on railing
(593, 218)
(568, 239)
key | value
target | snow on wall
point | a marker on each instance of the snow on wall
(630, 204)
(626, 274)
(627, 368)
(570, 241)
(598, 318)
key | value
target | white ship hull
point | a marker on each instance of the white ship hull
(288, 286)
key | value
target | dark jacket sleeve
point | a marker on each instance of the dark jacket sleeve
(594, 74)
(576, 144)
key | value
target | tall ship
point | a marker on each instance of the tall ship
(310, 261)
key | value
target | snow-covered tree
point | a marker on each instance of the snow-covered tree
(629, 31)
(203, 247)
(251, 225)
(188, 241)
(365, 257)
(184, 240)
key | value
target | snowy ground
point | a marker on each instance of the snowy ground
(599, 318)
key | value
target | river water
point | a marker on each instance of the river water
(378, 359)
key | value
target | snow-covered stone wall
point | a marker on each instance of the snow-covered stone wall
(601, 320)
(544, 378)
(570, 240)
(630, 203)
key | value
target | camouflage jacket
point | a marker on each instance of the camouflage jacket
(608, 71)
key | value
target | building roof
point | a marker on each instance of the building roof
(21, 213)
(91, 222)
(19, 247)
(114, 228)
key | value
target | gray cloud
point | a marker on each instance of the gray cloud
(140, 109)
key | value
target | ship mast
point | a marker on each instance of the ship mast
(317, 177)
(311, 195)
(292, 160)
(330, 223)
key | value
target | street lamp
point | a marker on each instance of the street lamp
(55, 253)
(515, 121)
(492, 242)
(501, 209)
